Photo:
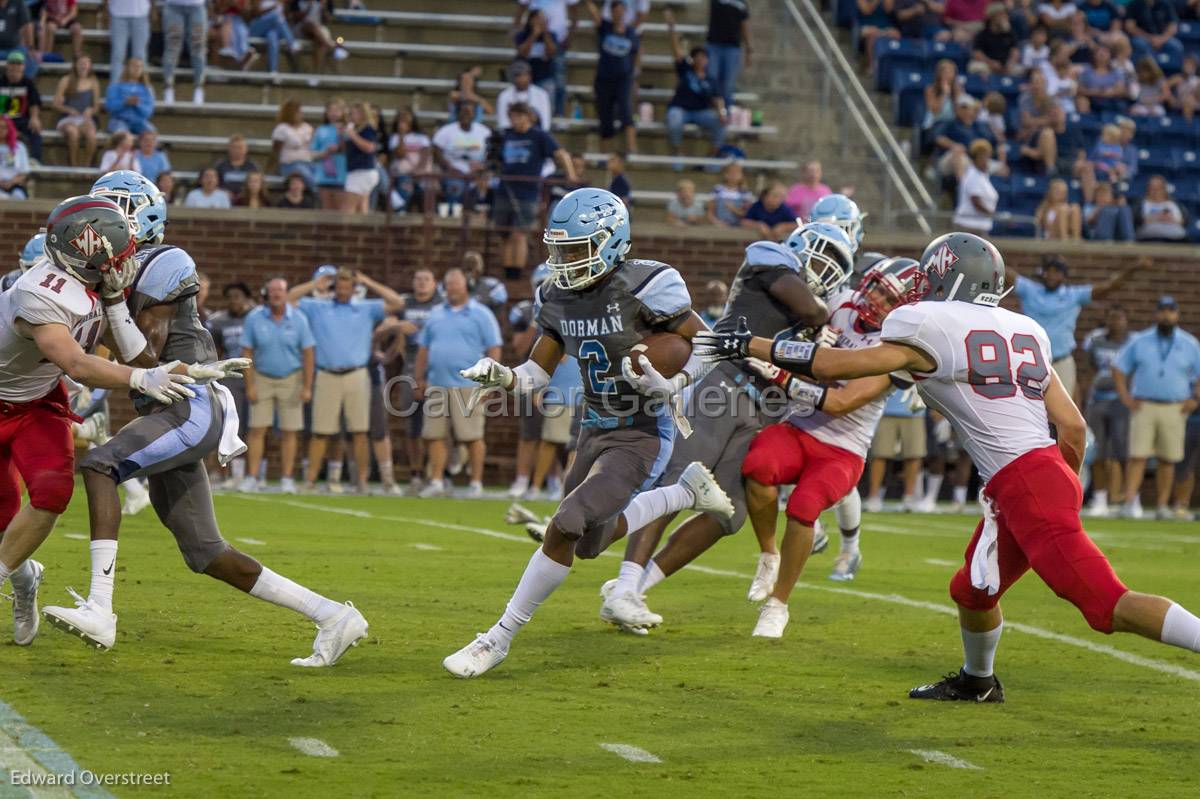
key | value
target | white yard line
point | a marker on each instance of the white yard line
(25, 748)
(943, 759)
(313, 747)
(941, 562)
(634, 754)
(254, 542)
(895, 599)
(75, 536)
(425, 547)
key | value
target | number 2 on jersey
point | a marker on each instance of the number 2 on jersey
(989, 365)
(592, 352)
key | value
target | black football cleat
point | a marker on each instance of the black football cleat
(961, 687)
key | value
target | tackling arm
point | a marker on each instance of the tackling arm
(827, 364)
(855, 394)
(62, 350)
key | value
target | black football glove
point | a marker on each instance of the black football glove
(709, 345)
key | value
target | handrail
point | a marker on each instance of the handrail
(847, 82)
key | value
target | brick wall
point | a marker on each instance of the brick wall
(252, 246)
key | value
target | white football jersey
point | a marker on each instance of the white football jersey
(852, 431)
(993, 371)
(44, 295)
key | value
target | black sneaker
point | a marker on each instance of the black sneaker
(961, 687)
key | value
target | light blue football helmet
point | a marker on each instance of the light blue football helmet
(825, 251)
(840, 210)
(33, 251)
(143, 204)
(540, 273)
(587, 236)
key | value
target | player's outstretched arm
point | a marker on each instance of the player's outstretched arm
(1066, 418)
(856, 393)
(528, 377)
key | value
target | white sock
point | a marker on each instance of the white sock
(880, 494)
(933, 486)
(541, 577)
(850, 542)
(279, 590)
(333, 471)
(960, 495)
(849, 511)
(979, 650)
(1100, 497)
(238, 468)
(104, 573)
(1180, 628)
(652, 575)
(437, 484)
(629, 576)
(654, 504)
(387, 474)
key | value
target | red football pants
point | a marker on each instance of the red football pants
(823, 474)
(36, 443)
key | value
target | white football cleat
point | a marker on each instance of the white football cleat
(87, 620)
(519, 514)
(477, 657)
(334, 638)
(845, 567)
(820, 538)
(536, 530)
(606, 591)
(764, 577)
(707, 496)
(627, 611)
(25, 605)
(772, 619)
(137, 498)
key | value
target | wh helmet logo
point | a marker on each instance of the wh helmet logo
(88, 242)
(942, 260)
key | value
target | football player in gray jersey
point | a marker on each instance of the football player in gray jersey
(596, 306)
(160, 322)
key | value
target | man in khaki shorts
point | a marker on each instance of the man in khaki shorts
(1156, 376)
(457, 333)
(279, 340)
(899, 437)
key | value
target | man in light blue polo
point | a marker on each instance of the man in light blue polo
(1055, 306)
(279, 340)
(342, 327)
(1156, 376)
(457, 333)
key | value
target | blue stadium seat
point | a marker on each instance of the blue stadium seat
(1193, 230)
(1189, 161)
(1170, 62)
(1089, 125)
(1157, 158)
(1026, 186)
(974, 85)
(952, 50)
(1003, 186)
(1184, 191)
(1008, 86)
(847, 13)
(1013, 228)
(894, 54)
(1170, 130)
(1189, 34)
(908, 97)
(1074, 191)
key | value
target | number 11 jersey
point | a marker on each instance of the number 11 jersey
(992, 373)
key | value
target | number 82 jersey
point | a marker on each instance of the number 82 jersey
(992, 373)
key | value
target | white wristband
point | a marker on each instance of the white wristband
(529, 377)
(130, 341)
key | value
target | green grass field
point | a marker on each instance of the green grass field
(199, 684)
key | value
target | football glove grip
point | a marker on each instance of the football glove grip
(218, 370)
(489, 373)
(710, 345)
(158, 383)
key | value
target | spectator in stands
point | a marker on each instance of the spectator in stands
(269, 23)
(1060, 79)
(59, 15)
(311, 18)
(456, 334)
(149, 160)
(1152, 25)
(1160, 215)
(992, 115)
(14, 164)
(166, 184)
(522, 89)
(542, 40)
(17, 34)
(618, 184)
(770, 217)
(685, 208)
(1185, 470)
(918, 19)
(128, 33)
(716, 296)
(956, 136)
(1128, 148)
(184, 20)
(119, 154)
(296, 194)
(21, 102)
(1153, 93)
(563, 186)
(995, 51)
(1157, 376)
(328, 157)
(1055, 149)
(1185, 86)
(965, 18)
(1035, 52)
(77, 100)
(233, 167)
(254, 192)
(464, 92)
(802, 196)
(483, 288)
(291, 142)
(129, 100)
(696, 98)
(873, 24)
(1108, 217)
(941, 94)
(1101, 87)
(636, 12)
(1055, 16)
(1057, 217)
(362, 141)
(1106, 156)
(234, 33)
(617, 44)
(728, 44)
(731, 199)
(1107, 418)
(209, 193)
(412, 154)
(1103, 18)
(977, 197)
(459, 150)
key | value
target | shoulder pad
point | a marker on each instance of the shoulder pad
(771, 254)
(64, 293)
(167, 274)
(660, 288)
(904, 323)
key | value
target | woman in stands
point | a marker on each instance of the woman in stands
(77, 99)
(412, 154)
(254, 192)
(941, 94)
(1057, 217)
(290, 142)
(129, 100)
(329, 160)
(1161, 218)
(361, 142)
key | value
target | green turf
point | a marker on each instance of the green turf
(199, 683)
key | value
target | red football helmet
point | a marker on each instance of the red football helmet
(887, 285)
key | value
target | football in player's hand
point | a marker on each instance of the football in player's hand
(667, 352)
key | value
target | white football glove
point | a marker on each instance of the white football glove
(218, 370)
(764, 369)
(828, 337)
(489, 373)
(651, 382)
(114, 281)
(158, 383)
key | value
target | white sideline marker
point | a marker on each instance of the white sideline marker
(943, 759)
(75, 536)
(313, 747)
(254, 542)
(634, 754)
(426, 547)
(941, 562)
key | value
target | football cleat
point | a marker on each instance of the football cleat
(536, 531)
(87, 620)
(707, 496)
(519, 514)
(435, 488)
(334, 638)
(477, 657)
(25, 603)
(137, 498)
(606, 591)
(772, 619)
(627, 610)
(764, 577)
(961, 687)
(820, 538)
(845, 566)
